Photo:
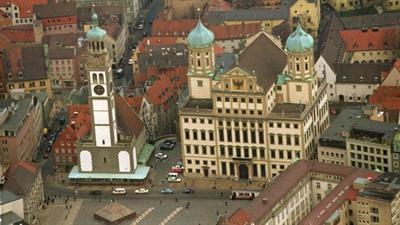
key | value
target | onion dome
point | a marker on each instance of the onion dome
(200, 36)
(95, 33)
(299, 41)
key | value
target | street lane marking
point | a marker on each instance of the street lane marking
(143, 215)
(171, 215)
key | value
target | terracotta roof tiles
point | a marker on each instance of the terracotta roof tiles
(25, 7)
(22, 33)
(387, 97)
(371, 39)
(161, 92)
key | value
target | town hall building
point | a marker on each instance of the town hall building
(254, 120)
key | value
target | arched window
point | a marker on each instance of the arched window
(102, 45)
(97, 46)
(306, 66)
(297, 67)
(208, 62)
(101, 78)
(198, 62)
(94, 78)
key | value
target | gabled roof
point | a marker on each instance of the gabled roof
(161, 92)
(161, 27)
(135, 102)
(128, 120)
(113, 29)
(21, 177)
(359, 73)
(217, 17)
(371, 39)
(104, 14)
(332, 47)
(386, 97)
(271, 60)
(21, 33)
(54, 10)
(7, 197)
(371, 20)
(156, 41)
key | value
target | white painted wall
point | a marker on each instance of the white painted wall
(103, 134)
(355, 92)
(323, 69)
(86, 161)
(124, 161)
(200, 92)
(101, 117)
(16, 206)
(134, 159)
(100, 104)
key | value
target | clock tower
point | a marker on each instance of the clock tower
(101, 93)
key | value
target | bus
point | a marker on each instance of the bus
(244, 194)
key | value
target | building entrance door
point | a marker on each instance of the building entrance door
(205, 171)
(243, 171)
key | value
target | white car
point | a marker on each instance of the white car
(174, 179)
(142, 191)
(161, 155)
(119, 191)
(130, 62)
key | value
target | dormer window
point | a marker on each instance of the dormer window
(370, 45)
(361, 78)
(20, 75)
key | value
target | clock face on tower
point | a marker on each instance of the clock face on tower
(99, 90)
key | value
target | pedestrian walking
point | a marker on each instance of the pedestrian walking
(226, 203)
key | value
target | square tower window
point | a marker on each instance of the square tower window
(199, 83)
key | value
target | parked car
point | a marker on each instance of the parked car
(174, 180)
(176, 170)
(145, 34)
(188, 191)
(142, 191)
(46, 156)
(130, 62)
(119, 191)
(140, 26)
(161, 155)
(95, 192)
(167, 191)
(170, 142)
(179, 164)
(166, 146)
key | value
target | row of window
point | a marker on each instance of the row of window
(284, 154)
(196, 120)
(197, 162)
(243, 111)
(365, 149)
(57, 27)
(236, 124)
(281, 125)
(195, 149)
(259, 170)
(31, 84)
(242, 100)
(369, 166)
(230, 151)
(202, 135)
(289, 139)
(368, 158)
(230, 134)
(61, 62)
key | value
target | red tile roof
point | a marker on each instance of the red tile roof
(155, 41)
(219, 5)
(280, 186)
(161, 92)
(177, 75)
(387, 97)
(14, 57)
(369, 40)
(128, 120)
(22, 33)
(134, 102)
(25, 6)
(397, 64)
(176, 28)
(236, 31)
(4, 42)
(218, 50)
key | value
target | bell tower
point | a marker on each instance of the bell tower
(201, 61)
(101, 92)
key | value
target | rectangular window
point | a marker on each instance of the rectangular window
(222, 150)
(204, 150)
(187, 135)
(255, 171)
(188, 151)
(296, 140)
(232, 168)
(246, 152)
(262, 152)
(221, 134)
(238, 152)
(194, 135)
(223, 168)
(281, 154)
(261, 137)
(253, 136)
(272, 139)
(212, 151)
(211, 136)
(229, 135)
(273, 153)
(298, 88)
(203, 135)
(237, 135)
(288, 140)
(199, 83)
(230, 151)
(254, 152)
(280, 140)
(245, 137)
(263, 172)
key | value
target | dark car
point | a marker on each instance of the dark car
(188, 191)
(170, 142)
(165, 146)
(95, 192)
(145, 33)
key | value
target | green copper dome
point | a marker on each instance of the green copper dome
(95, 33)
(200, 36)
(299, 41)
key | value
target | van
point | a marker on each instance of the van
(172, 175)
(119, 191)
